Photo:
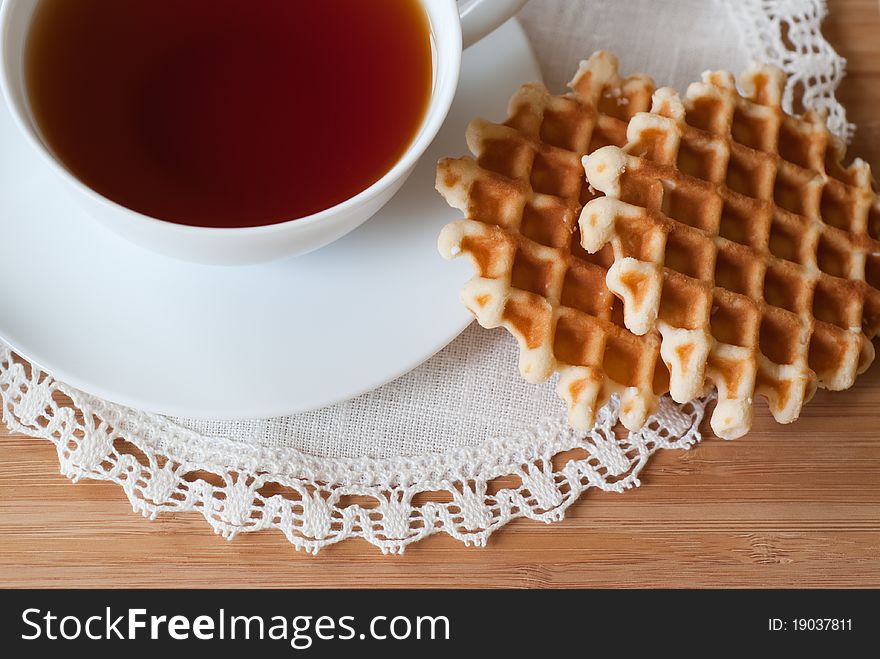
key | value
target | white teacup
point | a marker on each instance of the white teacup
(453, 27)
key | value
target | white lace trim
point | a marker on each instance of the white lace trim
(391, 503)
(316, 502)
(788, 33)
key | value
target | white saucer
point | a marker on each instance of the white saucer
(246, 342)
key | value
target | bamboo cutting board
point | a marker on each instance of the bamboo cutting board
(784, 506)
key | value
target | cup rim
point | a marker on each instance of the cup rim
(435, 116)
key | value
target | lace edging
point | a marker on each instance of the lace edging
(788, 34)
(544, 471)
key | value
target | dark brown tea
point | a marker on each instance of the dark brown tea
(229, 113)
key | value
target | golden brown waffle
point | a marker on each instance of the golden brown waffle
(739, 236)
(521, 197)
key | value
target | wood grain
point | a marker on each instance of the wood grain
(784, 506)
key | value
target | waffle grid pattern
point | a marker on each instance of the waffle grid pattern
(739, 236)
(521, 198)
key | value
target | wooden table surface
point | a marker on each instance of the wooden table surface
(785, 506)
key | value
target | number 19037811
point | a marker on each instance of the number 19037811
(810, 625)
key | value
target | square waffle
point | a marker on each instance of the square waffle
(738, 235)
(521, 197)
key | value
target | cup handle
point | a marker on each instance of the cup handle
(480, 17)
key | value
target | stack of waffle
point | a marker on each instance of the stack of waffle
(719, 242)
